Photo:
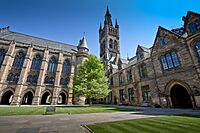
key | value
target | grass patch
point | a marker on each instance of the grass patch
(167, 124)
(7, 111)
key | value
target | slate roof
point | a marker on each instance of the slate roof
(23, 38)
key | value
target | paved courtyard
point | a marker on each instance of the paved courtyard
(72, 123)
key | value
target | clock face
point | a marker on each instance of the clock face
(164, 40)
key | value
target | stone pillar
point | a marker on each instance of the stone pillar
(23, 77)
(7, 63)
(71, 80)
(57, 88)
(40, 83)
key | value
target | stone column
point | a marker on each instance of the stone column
(71, 80)
(40, 83)
(57, 88)
(23, 77)
(7, 63)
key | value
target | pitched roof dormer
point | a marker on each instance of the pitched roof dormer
(191, 22)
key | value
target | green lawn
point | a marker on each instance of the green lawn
(6, 111)
(168, 124)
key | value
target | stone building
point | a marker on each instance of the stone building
(37, 71)
(166, 75)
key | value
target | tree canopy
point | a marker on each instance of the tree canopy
(90, 80)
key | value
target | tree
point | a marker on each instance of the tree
(90, 80)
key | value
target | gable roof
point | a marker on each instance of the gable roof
(23, 38)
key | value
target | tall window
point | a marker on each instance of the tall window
(52, 66)
(143, 70)
(121, 95)
(36, 63)
(66, 67)
(65, 72)
(198, 48)
(129, 76)
(115, 44)
(146, 95)
(131, 94)
(2, 56)
(111, 43)
(170, 60)
(121, 78)
(111, 81)
(19, 60)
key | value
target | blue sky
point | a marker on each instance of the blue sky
(67, 20)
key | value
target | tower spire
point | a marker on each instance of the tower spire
(100, 27)
(108, 20)
(116, 24)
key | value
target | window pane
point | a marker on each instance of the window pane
(164, 62)
(169, 61)
(175, 59)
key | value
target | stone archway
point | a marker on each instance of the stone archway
(180, 97)
(28, 98)
(7, 98)
(46, 98)
(62, 98)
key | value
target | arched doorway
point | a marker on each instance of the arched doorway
(7, 98)
(180, 97)
(27, 99)
(45, 98)
(62, 98)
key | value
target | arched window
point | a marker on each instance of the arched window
(52, 66)
(115, 44)
(66, 67)
(198, 48)
(13, 77)
(64, 81)
(49, 80)
(2, 56)
(19, 60)
(111, 43)
(36, 63)
(32, 79)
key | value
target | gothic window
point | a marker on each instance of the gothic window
(36, 63)
(193, 27)
(115, 44)
(32, 79)
(131, 94)
(2, 56)
(19, 60)
(13, 78)
(49, 80)
(64, 81)
(164, 40)
(146, 95)
(66, 68)
(170, 60)
(121, 78)
(111, 43)
(52, 65)
(121, 95)
(198, 49)
(143, 70)
(129, 76)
